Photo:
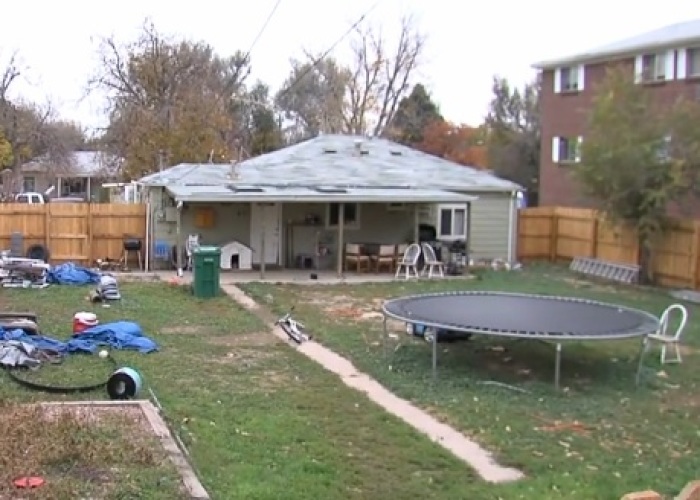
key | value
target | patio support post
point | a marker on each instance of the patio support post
(88, 188)
(178, 238)
(468, 233)
(341, 238)
(416, 222)
(262, 254)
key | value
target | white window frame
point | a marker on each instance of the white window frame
(662, 67)
(438, 225)
(574, 85)
(685, 67)
(348, 225)
(575, 157)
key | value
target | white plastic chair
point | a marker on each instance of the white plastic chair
(668, 341)
(409, 262)
(431, 262)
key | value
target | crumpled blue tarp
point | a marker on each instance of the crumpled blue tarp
(70, 274)
(125, 335)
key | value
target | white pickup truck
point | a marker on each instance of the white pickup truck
(40, 199)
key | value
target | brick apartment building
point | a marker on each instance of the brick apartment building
(667, 59)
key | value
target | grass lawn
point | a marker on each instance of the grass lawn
(260, 420)
(597, 439)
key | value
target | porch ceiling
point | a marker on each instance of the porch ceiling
(255, 194)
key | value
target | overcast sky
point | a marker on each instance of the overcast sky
(467, 42)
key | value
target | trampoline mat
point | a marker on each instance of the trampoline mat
(522, 315)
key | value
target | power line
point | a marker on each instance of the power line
(325, 54)
(262, 30)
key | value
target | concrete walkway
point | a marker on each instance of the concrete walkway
(463, 448)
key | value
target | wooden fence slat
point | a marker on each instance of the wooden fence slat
(79, 232)
(562, 233)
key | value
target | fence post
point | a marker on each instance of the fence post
(695, 257)
(553, 236)
(47, 226)
(593, 250)
(89, 234)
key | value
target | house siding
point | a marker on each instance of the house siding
(566, 115)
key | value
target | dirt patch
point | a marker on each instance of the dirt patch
(183, 330)
(256, 339)
(78, 451)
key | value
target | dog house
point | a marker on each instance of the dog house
(236, 255)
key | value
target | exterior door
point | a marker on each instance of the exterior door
(265, 222)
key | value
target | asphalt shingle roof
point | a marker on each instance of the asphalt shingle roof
(667, 37)
(338, 160)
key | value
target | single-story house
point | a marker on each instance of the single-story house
(80, 175)
(314, 197)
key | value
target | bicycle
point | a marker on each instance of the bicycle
(293, 328)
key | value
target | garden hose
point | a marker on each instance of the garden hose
(58, 389)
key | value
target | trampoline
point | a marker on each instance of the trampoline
(520, 316)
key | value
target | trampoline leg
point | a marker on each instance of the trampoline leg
(640, 366)
(384, 340)
(557, 366)
(435, 343)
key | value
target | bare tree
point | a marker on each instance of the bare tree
(168, 97)
(381, 77)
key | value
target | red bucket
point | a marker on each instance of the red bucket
(84, 320)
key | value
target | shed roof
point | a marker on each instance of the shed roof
(667, 37)
(248, 194)
(339, 160)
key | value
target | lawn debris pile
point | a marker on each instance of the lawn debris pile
(20, 348)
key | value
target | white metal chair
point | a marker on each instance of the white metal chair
(409, 262)
(668, 341)
(431, 262)
(191, 245)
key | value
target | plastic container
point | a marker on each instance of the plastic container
(84, 320)
(207, 265)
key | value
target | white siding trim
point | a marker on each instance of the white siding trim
(579, 142)
(581, 77)
(682, 64)
(555, 149)
(670, 61)
(638, 68)
(557, 81)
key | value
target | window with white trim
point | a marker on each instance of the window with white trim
(569, 79)
(351, 215)
(655, 67)
(663, 151)
(693, 62)
(566, 149)
(452, 222)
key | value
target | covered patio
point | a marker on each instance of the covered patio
(335, 200)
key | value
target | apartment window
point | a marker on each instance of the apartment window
(655, 67)
(693, 61)
(663, 152)
(452, 222)
(569, 79)
(28, 184)
(351, 215)
(566, 149)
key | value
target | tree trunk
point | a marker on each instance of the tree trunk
(646, 273)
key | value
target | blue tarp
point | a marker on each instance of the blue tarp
(125, 335)
(70, 274)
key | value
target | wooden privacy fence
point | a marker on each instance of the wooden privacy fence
(77, 232)
(560, 234)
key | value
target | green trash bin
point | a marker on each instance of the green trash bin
(207, 262)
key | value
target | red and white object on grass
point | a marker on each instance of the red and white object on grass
(84, 320)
